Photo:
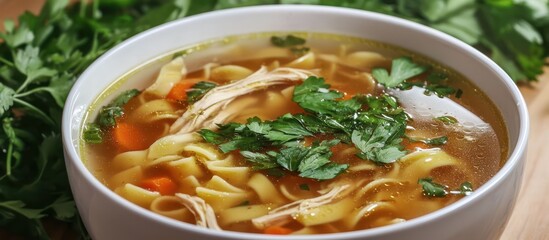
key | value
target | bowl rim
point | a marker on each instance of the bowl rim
(515, 157)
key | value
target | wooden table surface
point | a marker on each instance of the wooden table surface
(530, 218)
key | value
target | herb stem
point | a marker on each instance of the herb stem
(30, 92)
(8, 159)
(24, 85)
(82, 9)
(7, 62)
(95, 10)
(34, 109)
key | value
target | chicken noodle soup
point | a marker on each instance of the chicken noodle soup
(293, 134)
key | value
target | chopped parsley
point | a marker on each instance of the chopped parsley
(295, 44)
(373, 124)
(300, 50)
(93, 132)
(309, 161)
(288, 41)
(437, 141)
(448, 120)
(404, 69)
(315, 96)
(437, 83)
(198, 90)
(466, 188)
(441, 90)
(433, 189)
(108, 114)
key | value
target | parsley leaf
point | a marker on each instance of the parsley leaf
(93, 134)
(466, 188)
(380, 144)
(292, 42)
(6, 98)
(315, 96)
(299, 50)
(256, 134)
(436, 141)
(290, 157)
(310, 162)
(512, 33)
(19, 208)
(381, 109)
(288, 41)
(211, 136)
(250, 143)
(17, 36)
(435, 83)
(401, 70)
(124, 97)
(447, 120)
(327, 171)
(439, 90)
(317, 156)
(431, 141)
(64, 208)
(259, 160)
(198, 90)
(290, 124)
(432, 189)
(108, 114)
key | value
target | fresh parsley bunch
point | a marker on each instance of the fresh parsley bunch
(40, 58)
(515, 34)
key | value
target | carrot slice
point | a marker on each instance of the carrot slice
(277, 230)
(179, 90)
(129, 137)
(163, 185)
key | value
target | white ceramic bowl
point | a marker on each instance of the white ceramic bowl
(482, 215)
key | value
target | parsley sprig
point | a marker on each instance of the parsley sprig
(401, 70)
(405, 75)
(40, 58)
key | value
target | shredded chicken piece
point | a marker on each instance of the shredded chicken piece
(284, 214)
(203, 212)
(219, 97)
